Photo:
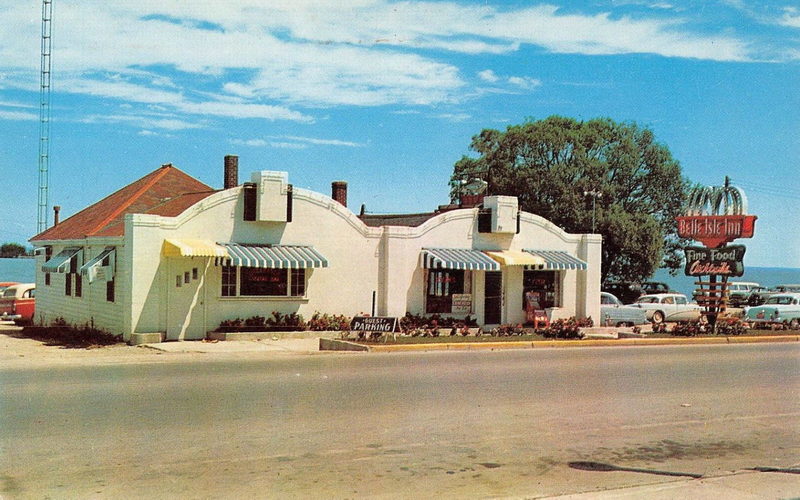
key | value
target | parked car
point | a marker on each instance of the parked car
(661, 307)
(758, 295)
(5, 284)
(18, 302)
(626, 291)
(613, 312)
(653, 287)
(739, 292)
(779, 309)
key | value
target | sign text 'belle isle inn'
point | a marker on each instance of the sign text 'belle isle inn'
(716, 230)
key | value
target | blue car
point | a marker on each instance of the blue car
(614, 313)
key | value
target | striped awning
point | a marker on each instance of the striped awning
(60, 263)
(457, 258)
(556, 259)
(273, 256)
(90, 268)
(516, 258)
(192, 247)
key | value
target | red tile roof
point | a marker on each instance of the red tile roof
(166, 191)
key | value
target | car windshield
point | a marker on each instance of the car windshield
(780, 300)
(10, 292)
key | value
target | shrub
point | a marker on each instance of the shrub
(63, 334)
(731, 326)
(328, 322)
(569, 328)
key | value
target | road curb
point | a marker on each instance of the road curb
(491, 346)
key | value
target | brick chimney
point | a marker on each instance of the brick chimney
(56, 210)
(339, 192)
(231, 171)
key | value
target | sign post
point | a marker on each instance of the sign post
(717, 260)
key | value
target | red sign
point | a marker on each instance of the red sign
(716, 230)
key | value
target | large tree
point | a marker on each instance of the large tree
(559, 167)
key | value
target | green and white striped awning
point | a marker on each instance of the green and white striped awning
(273, 256)
(90, 268)
(457, 258)
(557, 259)
(60, 263)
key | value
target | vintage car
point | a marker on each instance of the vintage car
(18, 302)
(739, 292)
(779, 309)
(614, 313)
(661, 307)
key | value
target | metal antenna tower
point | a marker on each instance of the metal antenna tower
(44, 115)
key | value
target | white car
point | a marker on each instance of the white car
(662, 307)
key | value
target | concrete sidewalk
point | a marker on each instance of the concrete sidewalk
(299, 346)
(740, 485)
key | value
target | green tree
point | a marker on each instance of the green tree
(12, 250)
(551, 165)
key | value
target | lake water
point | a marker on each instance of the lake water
(23, 270)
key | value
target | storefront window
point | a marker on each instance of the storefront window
(440, 288)
(545, 286)
(259, 282)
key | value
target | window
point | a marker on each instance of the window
(48, 254)
(544, 283)
(68, 284)
(250, 198)
(228, 281)
(78, 284)
(485, 220)
(298, 283)
(260, 282)
(110, 291)
(440, 288)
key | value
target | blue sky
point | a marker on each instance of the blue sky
(386, 95)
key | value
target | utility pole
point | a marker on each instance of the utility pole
(594, 194)
(44, 116)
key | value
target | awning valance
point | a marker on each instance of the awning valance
(457, 258)
(273, 256)
(516, 258)
(192, 247)
(556, 259)
(90, 268)
(61, 262)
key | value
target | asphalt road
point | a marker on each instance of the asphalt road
(446, 424)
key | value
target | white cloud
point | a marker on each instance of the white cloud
(293, 142)
(18, 115)
(255, 58)
(454, 117)
(145, 122)
(488, 75)
(791, 17)
(524, 82)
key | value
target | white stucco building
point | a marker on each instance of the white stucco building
(171, 255)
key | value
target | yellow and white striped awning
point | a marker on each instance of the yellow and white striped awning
(192, 247)
(516, 258)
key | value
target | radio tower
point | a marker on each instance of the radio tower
(44, 115)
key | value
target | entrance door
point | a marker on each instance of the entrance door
(493, 298)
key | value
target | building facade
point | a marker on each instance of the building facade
(170, 255)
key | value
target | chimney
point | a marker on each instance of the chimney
(231, 171)
(56, 209)
(339, 192)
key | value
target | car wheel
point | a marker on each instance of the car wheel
(794, 324)
(658, 317)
